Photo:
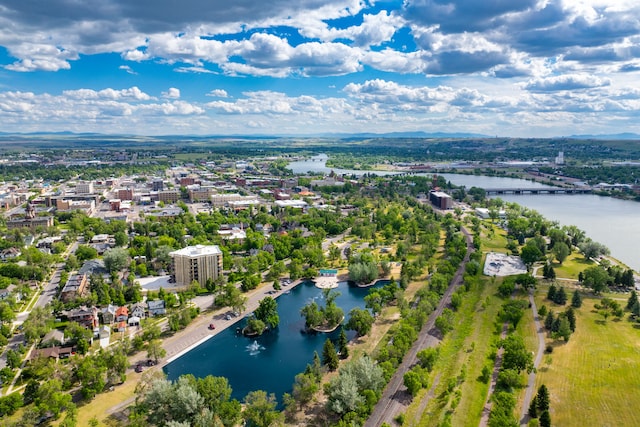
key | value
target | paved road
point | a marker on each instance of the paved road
(395, 396)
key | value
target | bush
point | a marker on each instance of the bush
(548, 349)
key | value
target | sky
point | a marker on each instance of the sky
(519, 68)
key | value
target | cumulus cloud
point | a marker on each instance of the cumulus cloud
(219, 93)
(172, 93)
(566, 82)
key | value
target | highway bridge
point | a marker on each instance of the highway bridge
(549, 190)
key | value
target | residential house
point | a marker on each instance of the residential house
(156, 308)
(139, 310)
(10, 253)
(87, 317)
(54, 337)
(122, 314)
(109, 314)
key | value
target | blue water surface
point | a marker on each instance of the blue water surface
(269, 362)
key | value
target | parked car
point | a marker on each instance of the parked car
(138, 368)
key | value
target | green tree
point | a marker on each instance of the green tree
(561, 251)
(444, 322)
(515, 354)
(596, 278)
(305, 387)
(543, 398)
(155, 350)
(329, 355)
(533, 407)
(360, 320)
(530, 254)
(260, 410)
(428, 357)
(632, 301)
(592, 250)
(545, 419)
(343, 348)
(267, 312)
(576, 299)
(84, 253)
(116, 259)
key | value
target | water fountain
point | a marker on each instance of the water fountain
(254, 348)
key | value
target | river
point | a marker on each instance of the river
(612, 222)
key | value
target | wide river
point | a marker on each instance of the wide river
(612, 222)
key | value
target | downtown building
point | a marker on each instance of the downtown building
(198, 263)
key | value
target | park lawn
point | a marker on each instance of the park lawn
(593, 379)
(493, 242)
(572, 266)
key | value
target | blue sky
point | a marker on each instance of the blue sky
(496, 67)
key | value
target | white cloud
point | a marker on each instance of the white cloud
(128, 69)
(173, 93)
(566, 82)
(219, 93)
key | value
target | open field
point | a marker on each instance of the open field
(572, 266)
(593, 379)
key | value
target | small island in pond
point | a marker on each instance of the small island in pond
(323, 319)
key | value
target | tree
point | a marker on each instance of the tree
(533, 407)
(329, 355)
(444, 322)
(512, 311)
(551, 293)
(267, 312)
(305, 387)
(530, 254)
(515, 354)
(527, 281)
(576, 299)
(360, 320)
(116, 259)
(632, 301)
(560, 297)
(543, 398)
(545, 419)
(428, 357)
(592, 250)
(548, 321)
(155, 350)
(571, 317)
(596, 278)
(548, 272)
(84, 253)
(343, 349)
(260, 409)
(561, 251)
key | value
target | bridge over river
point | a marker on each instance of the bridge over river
(538, 190)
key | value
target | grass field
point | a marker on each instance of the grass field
(594, 378)
(572, 266)
(494, 238)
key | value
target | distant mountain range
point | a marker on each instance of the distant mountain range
(617, 136)
(337, 135)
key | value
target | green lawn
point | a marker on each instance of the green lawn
(594, 378)
(572, 266)
(494, 238)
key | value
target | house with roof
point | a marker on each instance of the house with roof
(157, 308)
(54, 337)
(122, 314)
(133, 321)
(10, 253)
(139, 310)
(109, 314)
(104, 336)
(85, 316)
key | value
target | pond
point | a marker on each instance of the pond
(269, 362)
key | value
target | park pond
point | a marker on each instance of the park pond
(269, 362)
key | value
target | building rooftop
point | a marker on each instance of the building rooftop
(198, 250)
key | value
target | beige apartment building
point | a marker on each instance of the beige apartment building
(198, 262)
